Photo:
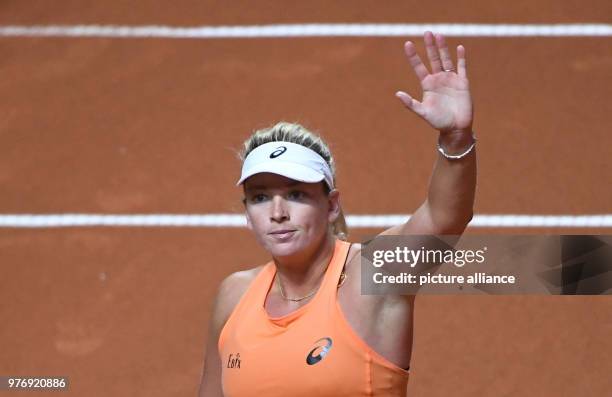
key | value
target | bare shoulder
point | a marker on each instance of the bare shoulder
(230, 292)
(241, 279)
(353, 272)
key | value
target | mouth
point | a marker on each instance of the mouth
(282, 234)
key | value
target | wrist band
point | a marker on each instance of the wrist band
(457, 156)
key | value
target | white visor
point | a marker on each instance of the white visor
(289, 160)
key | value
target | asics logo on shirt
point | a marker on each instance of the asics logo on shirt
(322, 347)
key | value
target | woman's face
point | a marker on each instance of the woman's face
(288, 217)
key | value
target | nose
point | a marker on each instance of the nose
(279, 211)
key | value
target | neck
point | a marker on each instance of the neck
(299, 276)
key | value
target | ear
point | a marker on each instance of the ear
(248, 218)
(333, 199)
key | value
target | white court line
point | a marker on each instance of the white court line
(300, 30)
(237, 220)
(310, 30)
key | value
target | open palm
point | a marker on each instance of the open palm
(446, 103)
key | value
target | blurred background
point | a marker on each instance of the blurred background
(99, 117)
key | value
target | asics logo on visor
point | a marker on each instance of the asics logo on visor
(279, 150)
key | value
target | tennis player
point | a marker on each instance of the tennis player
(298, 325)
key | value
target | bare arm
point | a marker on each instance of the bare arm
(447, 107)
(449, 204)
(211, 377)
(228, 296)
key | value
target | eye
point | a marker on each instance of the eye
(257, 198)
(296, 195)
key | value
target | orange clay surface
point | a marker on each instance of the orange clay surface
(132, 126)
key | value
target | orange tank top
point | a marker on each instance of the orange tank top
(312, 351)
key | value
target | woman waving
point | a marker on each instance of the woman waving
(298, 325)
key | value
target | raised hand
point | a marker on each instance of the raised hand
(446, 103)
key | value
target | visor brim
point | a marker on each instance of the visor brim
(289, 170)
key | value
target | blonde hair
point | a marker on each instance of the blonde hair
(296, 133)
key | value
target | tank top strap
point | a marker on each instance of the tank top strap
(263, 283)
(336, 265)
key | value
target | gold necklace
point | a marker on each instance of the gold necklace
(311, 293)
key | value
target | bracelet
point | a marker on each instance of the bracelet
(457, 156)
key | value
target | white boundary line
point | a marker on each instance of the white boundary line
(237, 220)
(309, 30)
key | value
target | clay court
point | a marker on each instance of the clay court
(152, 125)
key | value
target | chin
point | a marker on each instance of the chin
(279, 250)
(293, 246)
